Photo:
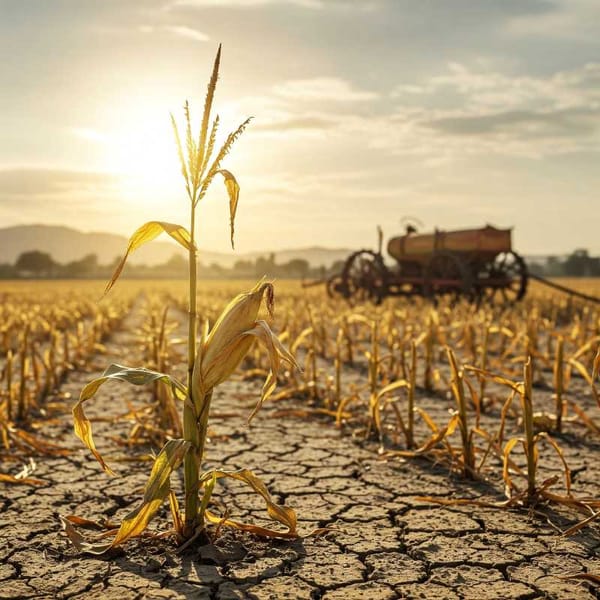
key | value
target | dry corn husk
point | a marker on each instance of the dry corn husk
(231, 338)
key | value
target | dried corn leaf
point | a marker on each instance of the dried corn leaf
(5, 478)
(156, 491)
(517, 387)
(506, 463)
(561, 456)
(89, 524)
(282, 514)
(262, 332)
(233, 190)
(589, 377)
(146, 233)
(136, 376)
(391, 387)
(438, 436)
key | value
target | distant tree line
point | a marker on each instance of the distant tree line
(35, 264)
(577, 264)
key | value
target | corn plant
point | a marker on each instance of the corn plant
(458, 391)
(211, 362)
(558, 380)
(529, 442)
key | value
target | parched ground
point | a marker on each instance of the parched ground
(384, 542)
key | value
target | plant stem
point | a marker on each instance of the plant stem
(410, 439)
(464, 427)
(192, 460)
(530, 448)
(203, 425)
(559, 382)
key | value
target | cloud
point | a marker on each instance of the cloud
(39, 182)
(322, 89)
(33, 194)
(301, 123)
(312, 4)
(178, 30)
(522, 115)
(526, 123)
(485, 89)
(574, 20)
(464, 112)
(187, 32)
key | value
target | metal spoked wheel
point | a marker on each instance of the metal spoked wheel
(447, 275)
(504, 279)
(365, 277)
(335, 287)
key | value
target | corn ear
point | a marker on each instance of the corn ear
(225, 346)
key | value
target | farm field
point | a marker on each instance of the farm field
(428, 451)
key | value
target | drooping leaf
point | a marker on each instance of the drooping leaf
(262, 332)
(596, 366)
(38, 443)
(595, 373)
(282, 514)
(584, 418)
(5, 478)
(561, 456)
(233, 190)
(517, 387)
(103, 525)
(300, 339)
(175, 513)
(390, 387)
(510, 444)
(580, 368)
(156, 491)
(136, 376)
(146, 233)
(575, 528)
(209, 487)
(438, 435)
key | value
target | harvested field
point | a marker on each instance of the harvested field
(427, 519)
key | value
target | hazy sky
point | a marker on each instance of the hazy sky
(458, 112)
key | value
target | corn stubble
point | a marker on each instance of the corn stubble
(219, 352)
(364, 371)
(39, 345)
(384, 358)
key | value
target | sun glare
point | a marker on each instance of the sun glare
(143, 153)
(145, 156)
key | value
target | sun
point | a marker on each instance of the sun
(142, 152)
(145, 157)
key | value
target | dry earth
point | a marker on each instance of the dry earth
(384, 542)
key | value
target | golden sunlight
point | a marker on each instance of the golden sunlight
(143, 153)
(146, 157)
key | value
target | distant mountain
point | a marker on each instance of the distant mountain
(315, 255)
(66, 244)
